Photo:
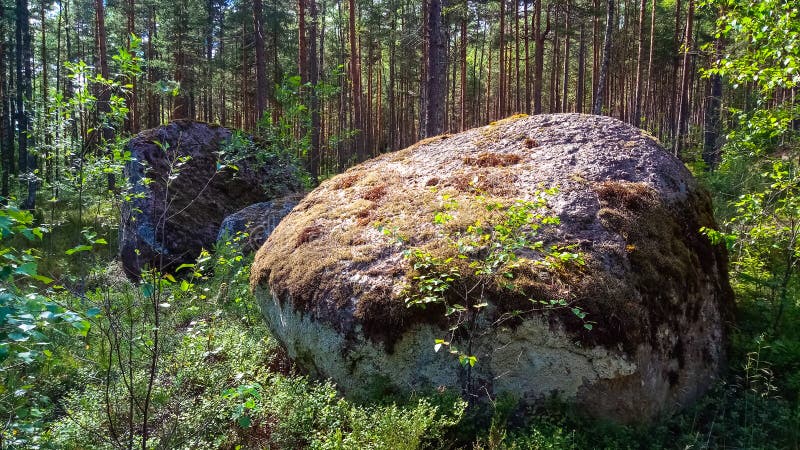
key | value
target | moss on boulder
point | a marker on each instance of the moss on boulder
(331, 280)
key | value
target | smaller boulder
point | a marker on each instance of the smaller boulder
(257, 221)
(184, 183)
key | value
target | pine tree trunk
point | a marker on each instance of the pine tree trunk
(517, 99)
(597, 108)
(675, 64)
(182, 108)
(355, 80)
(313, 75)
(527, 108)
(683, 101)
(302, 41)
(27, 161)
(501, 74)
(580, 91)
(565, 84)
(131, 99)
(649, 95)
(637, 100)
(538, 57)
(436, 71)
(6, 142)
(152, 99)
(261, 62)
(463, 81)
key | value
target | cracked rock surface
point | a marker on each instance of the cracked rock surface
(331, 282)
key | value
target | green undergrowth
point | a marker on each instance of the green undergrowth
(225, 383)
(222, 381)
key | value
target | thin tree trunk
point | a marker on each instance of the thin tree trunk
(24, 101)
(501, 74)
(6, 141)
(132, 100)
(355, 80)
(182, 105)
(637, 100)
(595, 46)
(313, 74)
(463, 83)
(554, 93)
(649, 86)
(579, 92)
(152, 100)
(538, 57)
(565, 84)
(601, 82)
(104, 95)
(436, 70)
(683, 102)
(675, 64)
(261, 63)
(517, 99)
(527, 108)
(44, 90)
(713, 123)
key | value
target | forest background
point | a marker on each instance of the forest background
(330, 84)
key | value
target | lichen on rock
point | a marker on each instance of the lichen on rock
(332, 278)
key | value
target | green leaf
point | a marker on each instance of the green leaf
(79, 248)
(28, 268)
(82, 326)
(42, 278)
(18, 337)
(184, 266)
(244, 421)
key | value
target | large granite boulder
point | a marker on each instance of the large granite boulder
(185, 178)
(333, 278)
(256, 221)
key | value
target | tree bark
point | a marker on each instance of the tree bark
(517, 92)
(27, 161)
(302, 41)
(597, 108)
(313, 74)
(261, 59)
(538, 56)
(182, 106)
(153, 101)
(501, 73)
(6, 141)
(131, 100)
(648, 91)
(637, 97)
(355, 80)
(580, 91)
(436, 71)
(565, 84)
(683, 101)
(527, 108)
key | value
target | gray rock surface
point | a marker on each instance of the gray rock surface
(178, 212)
(331, 283)
(258, 221)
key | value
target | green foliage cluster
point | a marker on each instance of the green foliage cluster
(481, 262)
(221, 382)
(35, 327)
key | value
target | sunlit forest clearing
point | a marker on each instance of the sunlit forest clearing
(545, 224)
